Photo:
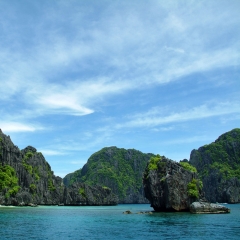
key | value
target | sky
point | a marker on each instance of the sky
(76, 76)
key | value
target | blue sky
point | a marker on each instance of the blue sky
(157, 76)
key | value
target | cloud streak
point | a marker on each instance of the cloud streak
(71, 65)
(10, 127)
(155, 117)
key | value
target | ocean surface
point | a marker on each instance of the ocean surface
(109, 222)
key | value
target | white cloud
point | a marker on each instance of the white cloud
(73, 98)
(54, 73)
(155, 118)
(18, 127)
(188, 140)
(163, 129)
(49, 152)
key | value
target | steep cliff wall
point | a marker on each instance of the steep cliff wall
(218, 165)
(26, 177)
(116, 168)
(83, 194)
(169, 186)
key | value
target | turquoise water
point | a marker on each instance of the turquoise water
(55, 222)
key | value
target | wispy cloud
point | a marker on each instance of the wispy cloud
(132, 50)
(163, 129)
(199, 138)
(78, 162)
(50, 152)
(9, 127)
(155, 117)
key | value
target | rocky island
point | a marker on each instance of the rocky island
(116, 168)
(26, 178)
(116, 175)
(172, 186)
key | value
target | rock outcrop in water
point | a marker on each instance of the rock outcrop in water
(169, 186)
(206, 207)
(116, 168)
(218, 165)
(26, 178)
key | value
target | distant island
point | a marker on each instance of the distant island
(113, 175)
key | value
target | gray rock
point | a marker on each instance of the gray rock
(206, 207)
(127, 212)
(82, 194)
(166, 187)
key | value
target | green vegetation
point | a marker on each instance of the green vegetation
(1, 146)
(227, 171)
(118, 169)
(188, 166)
(27, 166)
(72, 177)
(193, 188)
(32, 188)
(82, 192)
(51, 187)
(153, 162)
(34, 171)
(8, 181)
(222, 156)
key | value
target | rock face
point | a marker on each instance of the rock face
(218, 165)
(206, 207)
(83, 194)
(26, 178)
(115, 168)
(170, 187)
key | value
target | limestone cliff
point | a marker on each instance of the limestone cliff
(169, 186)
(115, 168)
(218, 165)
(26, 177)
(83, 194)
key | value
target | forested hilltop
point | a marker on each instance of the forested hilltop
(119, 169)
(218, 165)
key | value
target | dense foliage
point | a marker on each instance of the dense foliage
(188, 166)
(8, 181)
(115, 168)
(223, 156)
(152, 165)
(82, 192)
(193, 188)
(26, 157)
(34, 171)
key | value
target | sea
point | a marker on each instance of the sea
(109, 222)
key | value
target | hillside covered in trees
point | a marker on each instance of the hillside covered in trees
(218, 165)
(119, 169)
